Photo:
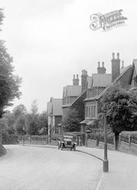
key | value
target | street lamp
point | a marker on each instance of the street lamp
(105, 161)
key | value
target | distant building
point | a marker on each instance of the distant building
(70, 94)
(54, 110)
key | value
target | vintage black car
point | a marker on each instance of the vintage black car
(67, 142)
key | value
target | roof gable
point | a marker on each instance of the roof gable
(135, 64)
(127, 73)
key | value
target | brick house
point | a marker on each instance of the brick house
(92, 88)
(97, 84)
(125, 77)
(54, 111)
(70, 94)
(74, 95)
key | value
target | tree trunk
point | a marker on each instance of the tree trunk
(116, 141)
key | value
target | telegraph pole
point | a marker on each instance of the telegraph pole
(105, 161)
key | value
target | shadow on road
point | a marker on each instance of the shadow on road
(89, 154)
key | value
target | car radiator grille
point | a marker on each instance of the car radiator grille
(68, 143)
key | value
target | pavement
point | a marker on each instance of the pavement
(122, 173)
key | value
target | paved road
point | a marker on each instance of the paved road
(37, 168)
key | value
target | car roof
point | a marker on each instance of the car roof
(68, 136)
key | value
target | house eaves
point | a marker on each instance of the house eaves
(66, 105)
(82, 96)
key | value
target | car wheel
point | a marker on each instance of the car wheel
(74, 148)
(62, 146)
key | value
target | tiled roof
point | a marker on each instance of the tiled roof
(130, 67)
(79, 98)
(115, 82)
(97, 80)
(90, 81)
(71, 90)
(101, 80)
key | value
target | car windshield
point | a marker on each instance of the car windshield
(67, 136)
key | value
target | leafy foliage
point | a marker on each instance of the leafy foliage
(72, 121)
(120, 107)
(34, 107)
(33, 119)
(21, 125)
(20, 122)
(9, 83)
(20, 119)
(43, 124)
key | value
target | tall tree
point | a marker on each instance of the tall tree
(43, 123)
(33, 119)
(120, 108)
(19, 110)
(20, 119)
(34, 107)
(9, 83)
(21, 125)
(9, 120)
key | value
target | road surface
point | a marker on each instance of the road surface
(38, 168)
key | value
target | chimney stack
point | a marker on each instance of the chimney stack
(84, 82)
(115, 66)
(75, 80)
(101, 70)
(98, 64)
(122, 65)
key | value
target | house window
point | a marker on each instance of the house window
(90, 111)
(86, 111)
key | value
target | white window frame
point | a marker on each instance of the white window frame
(89, 109)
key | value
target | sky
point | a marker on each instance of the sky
(50, 40)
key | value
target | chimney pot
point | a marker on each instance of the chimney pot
(115, 66)
(84, 72)
(84, 80)
(117, 55)
(122, 64)
(103, 64)
(113, 55)
(75, 80)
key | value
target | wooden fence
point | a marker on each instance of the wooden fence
(128, 143)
